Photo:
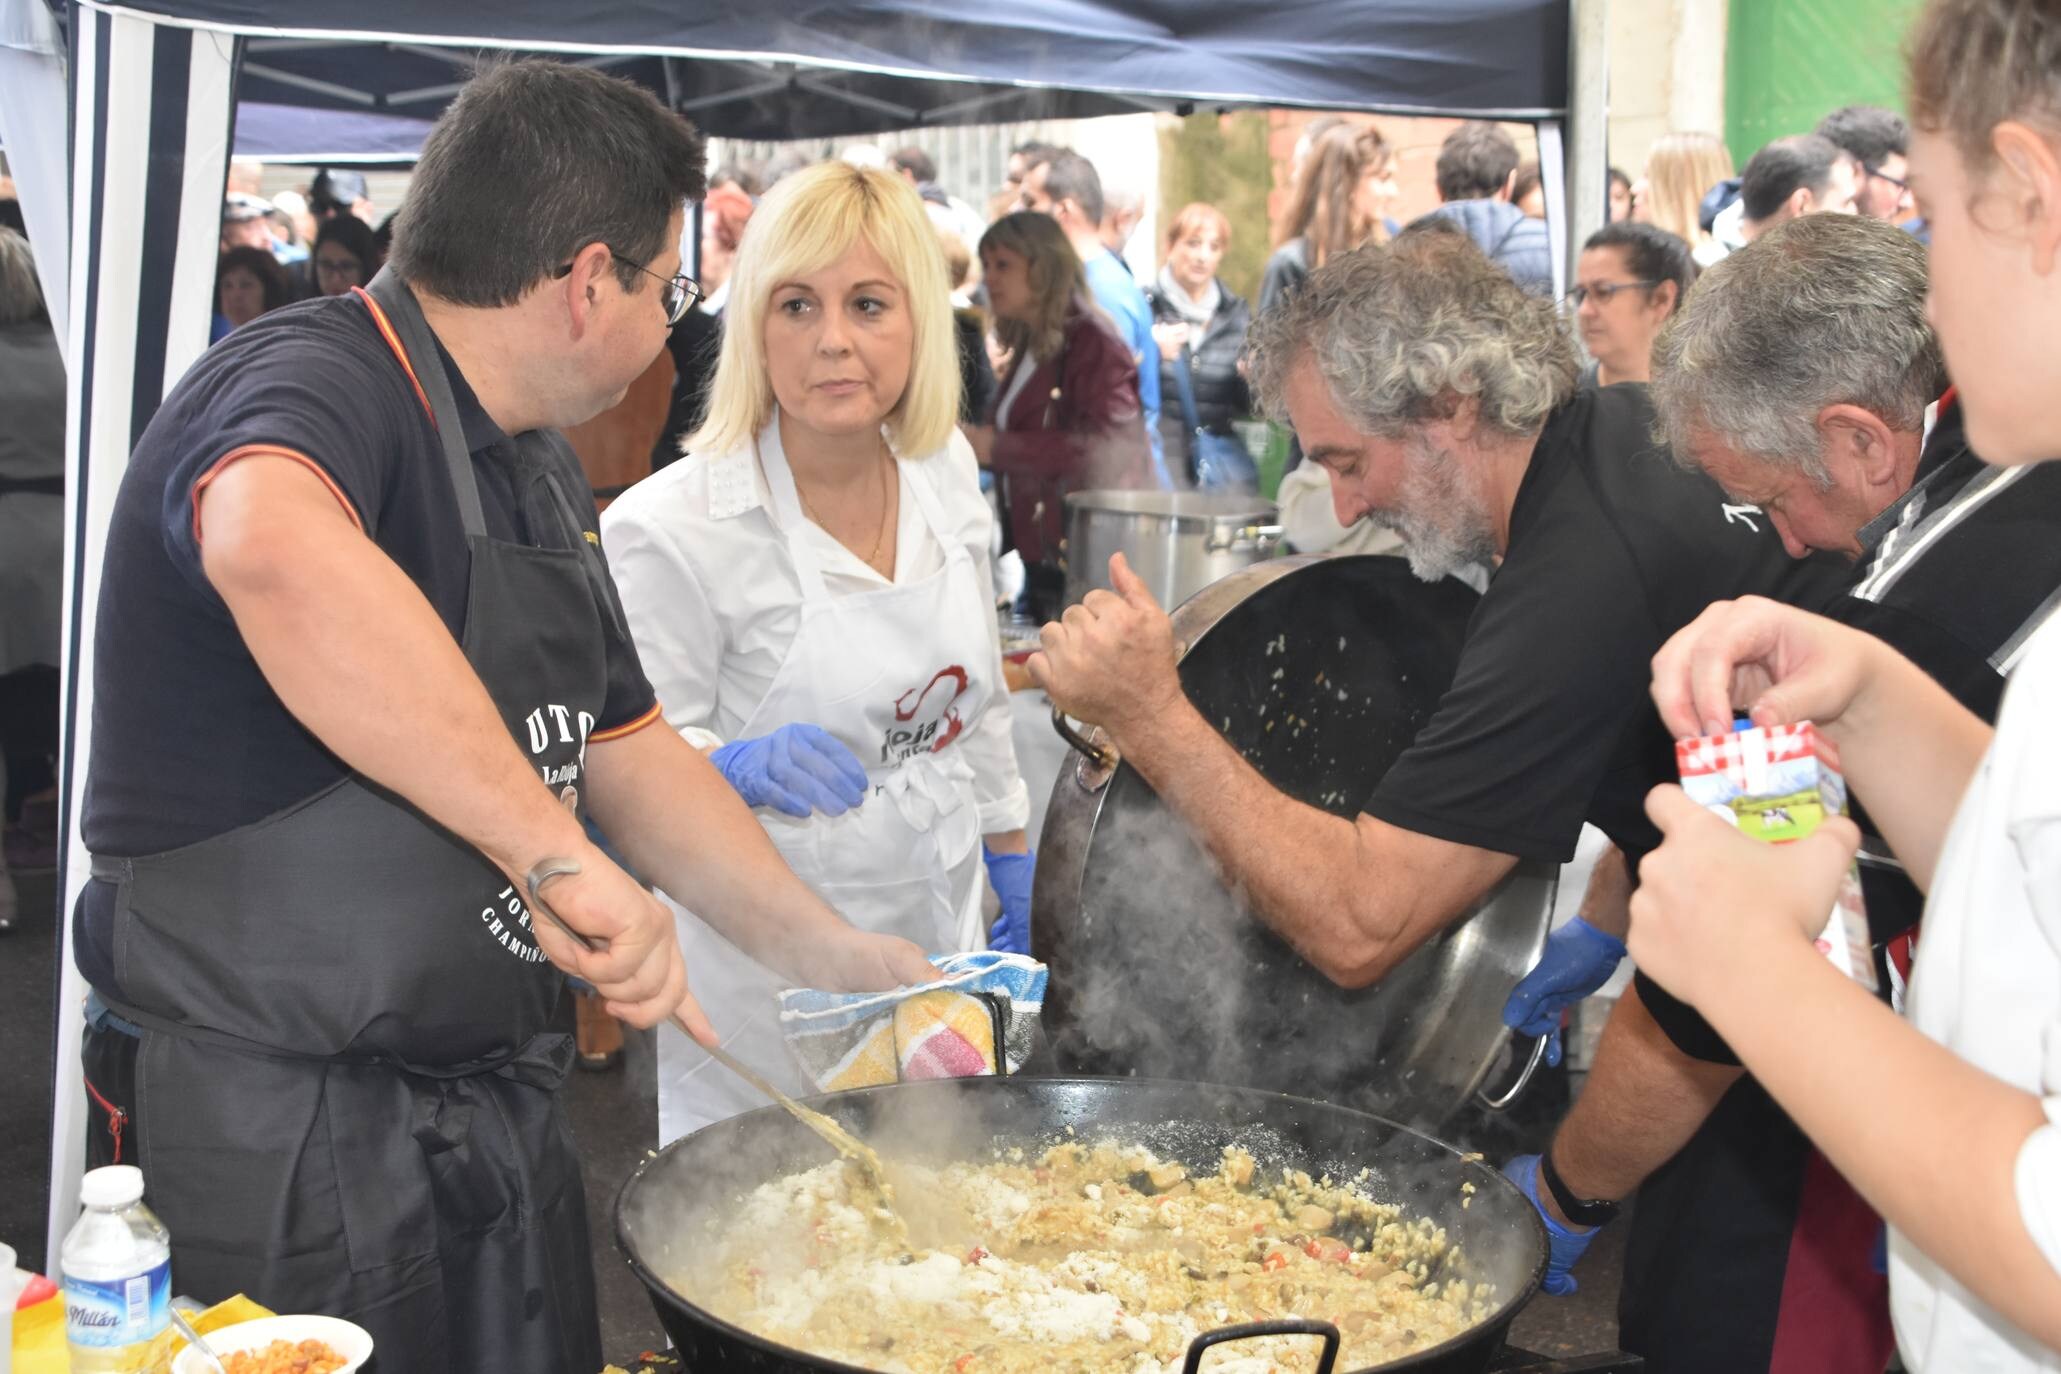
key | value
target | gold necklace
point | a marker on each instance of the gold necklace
(880, 535)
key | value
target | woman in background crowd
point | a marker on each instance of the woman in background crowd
(1528, 190)
(812, 597)
(1630, 281)
(1947, 1119)
(970, 327)
(32, 391)
(1068, 416)
(346, 255)
(1680, 171)
(724, 214)
(1336, 206)
(697, 339)
(248, 282)
(1620, 196)
(1199, 325)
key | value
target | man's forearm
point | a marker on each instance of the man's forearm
(360, 657)
(1929, 1139)
(1351, 904)
(1606, 903)
(686, 831)
(1643, 1100)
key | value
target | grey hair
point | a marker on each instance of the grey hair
(1822, 310)
(1402, 333)
(21, 294)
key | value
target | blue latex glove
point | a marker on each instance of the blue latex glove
(795, 770)
(1011, 875)
(1579, 959)
(1563, 1246)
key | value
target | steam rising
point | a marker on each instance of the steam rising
(677, 1215)
(1159, 970)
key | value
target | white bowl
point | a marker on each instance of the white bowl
(345, 1338)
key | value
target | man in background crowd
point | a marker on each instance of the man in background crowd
(1067, 187)
(1878, 140)
(336, 192)
(1122, 208)
(1803, 377)
(1477, 166)
(946, 210)
(1022, 158)
(244, 222)
(246, 174)
(1804, 174)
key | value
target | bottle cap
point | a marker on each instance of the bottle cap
(117, 1185)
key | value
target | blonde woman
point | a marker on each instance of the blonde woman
(811, 594)
(1680, 170)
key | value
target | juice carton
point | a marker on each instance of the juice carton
(1777, 783)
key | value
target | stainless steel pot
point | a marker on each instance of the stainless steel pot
(1320, 671)
(1178, 541)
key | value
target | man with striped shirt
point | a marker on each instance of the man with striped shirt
(1803, 378)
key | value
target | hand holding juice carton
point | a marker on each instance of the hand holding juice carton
(1778, 783)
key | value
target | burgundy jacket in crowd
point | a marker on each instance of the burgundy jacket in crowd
(1076, 425)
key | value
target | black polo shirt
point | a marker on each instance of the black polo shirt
(1548, 722)
(1746, 1242)
(189, 740)
(1956, 576)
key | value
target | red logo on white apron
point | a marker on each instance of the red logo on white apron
(926, 718)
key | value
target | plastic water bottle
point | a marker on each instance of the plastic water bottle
(117, 1265)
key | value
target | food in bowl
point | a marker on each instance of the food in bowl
(285, 1357)
(1101, 1257)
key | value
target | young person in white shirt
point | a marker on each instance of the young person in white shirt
(812, 597)
(1949, 1122)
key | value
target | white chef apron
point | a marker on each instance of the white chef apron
(896, 675)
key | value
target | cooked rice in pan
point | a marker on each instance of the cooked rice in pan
(1089, 1258)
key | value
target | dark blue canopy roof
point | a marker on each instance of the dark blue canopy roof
(335, 138)
(806, 68)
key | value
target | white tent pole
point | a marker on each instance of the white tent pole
(148, 100)
(1553, 186)
(1588, 128)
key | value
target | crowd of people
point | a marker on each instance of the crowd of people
(1856, 529)
(1779, 452)
(294, 246)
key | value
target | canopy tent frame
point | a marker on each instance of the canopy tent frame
(153, 90)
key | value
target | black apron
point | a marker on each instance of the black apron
(346, 1091)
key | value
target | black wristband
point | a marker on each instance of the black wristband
(1581, 1211)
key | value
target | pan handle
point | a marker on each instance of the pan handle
(1292, 1326)
(1100, 755)
(1531, 1066)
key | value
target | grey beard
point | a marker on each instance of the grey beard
(1441, 526)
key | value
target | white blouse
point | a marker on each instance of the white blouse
(1988, 986)
(714, 600)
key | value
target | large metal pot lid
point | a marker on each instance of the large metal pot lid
(1320, 671)
(1201, 507)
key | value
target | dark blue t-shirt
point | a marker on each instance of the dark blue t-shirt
(189, 741)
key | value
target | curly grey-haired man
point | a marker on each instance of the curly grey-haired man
(1443, 402)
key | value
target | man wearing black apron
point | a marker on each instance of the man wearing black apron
(353, 611)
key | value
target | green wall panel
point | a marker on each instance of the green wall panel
(1790, 62)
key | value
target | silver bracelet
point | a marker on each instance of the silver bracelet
(541, 872)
